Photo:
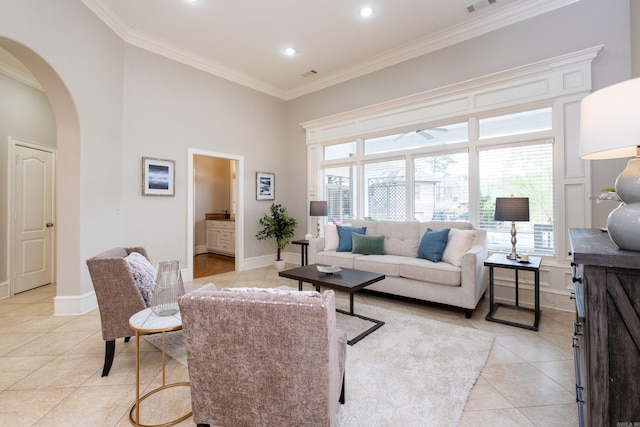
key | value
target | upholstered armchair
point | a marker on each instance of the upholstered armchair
(123, 284)
(263, 357)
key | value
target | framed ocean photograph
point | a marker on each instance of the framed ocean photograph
(265, 186)
(158, 177)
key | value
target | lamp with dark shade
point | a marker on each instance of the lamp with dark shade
(610, 129)
(512, 209)
(318, 208)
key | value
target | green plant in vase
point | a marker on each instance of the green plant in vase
(277, 224)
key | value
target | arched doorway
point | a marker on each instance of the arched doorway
(67, 177)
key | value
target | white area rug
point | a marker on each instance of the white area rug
(411, 372)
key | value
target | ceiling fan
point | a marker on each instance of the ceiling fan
(426, 132)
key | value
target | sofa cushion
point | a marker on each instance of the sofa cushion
(389, 265)
(427, 271)
(401, 237)
(459, 242)
(432, 244)
(331, 239)
(441, 225)
(344, 235)
(143, 273)
(367, 245)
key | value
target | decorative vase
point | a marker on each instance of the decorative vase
(168, 289)
(623, 223)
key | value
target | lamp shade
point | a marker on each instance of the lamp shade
(512, 209)
(318, 209)
(610, 122)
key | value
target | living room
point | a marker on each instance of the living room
(113, 103)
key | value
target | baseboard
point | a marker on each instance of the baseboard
(267, 260)
(201, 249)
(74, 305)
(4, 290)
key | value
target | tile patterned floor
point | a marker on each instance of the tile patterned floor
(50, 367)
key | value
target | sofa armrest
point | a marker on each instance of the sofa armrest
(472, 274)
(315, 245)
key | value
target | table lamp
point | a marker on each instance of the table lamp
(318, 209)
(512, 209)
(610, 129)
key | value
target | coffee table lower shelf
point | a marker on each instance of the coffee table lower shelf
(377, 325)
(347, 279)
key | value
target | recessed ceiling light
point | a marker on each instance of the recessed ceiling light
(289, 51)
(192, 1)
(366, 11)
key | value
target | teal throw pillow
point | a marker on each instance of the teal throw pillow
(367, 245)
(344, 237)
(433, 244)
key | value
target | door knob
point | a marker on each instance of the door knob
(49, 224)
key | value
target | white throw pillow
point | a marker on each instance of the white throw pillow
(331, 239)
(143, 273)
(458, 243)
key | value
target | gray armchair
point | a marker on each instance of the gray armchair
(263, 357)
(118, 297)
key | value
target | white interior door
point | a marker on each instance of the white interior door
(32, 217)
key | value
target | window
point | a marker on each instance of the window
(340, 151)
(385, 188)
(420, 138)
(426, 175)
(516, 124)
(339, 183)
(521, 171)
(441, 187)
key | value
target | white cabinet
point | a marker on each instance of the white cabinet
(221, 237)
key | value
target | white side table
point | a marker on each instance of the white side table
(147, 322)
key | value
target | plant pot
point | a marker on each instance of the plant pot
(279, 265)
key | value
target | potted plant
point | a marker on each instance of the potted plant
(279, 225)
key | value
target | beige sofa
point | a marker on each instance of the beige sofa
(460, 282)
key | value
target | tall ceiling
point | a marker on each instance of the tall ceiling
(242, 40)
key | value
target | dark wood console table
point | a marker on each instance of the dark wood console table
(607, 330)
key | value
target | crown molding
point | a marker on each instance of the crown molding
(20, 76)
(151, 43)
(507, 15)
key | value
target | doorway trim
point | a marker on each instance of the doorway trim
(11, 233)
(191, 153)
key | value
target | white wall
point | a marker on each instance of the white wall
(78, 62)
(169, 107)
(115, 103)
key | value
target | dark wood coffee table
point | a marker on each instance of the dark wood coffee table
(347, 279)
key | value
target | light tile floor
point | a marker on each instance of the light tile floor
(50, 366)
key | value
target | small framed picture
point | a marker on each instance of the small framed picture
(158, 177)
(265, 186)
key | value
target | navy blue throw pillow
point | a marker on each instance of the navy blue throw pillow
(344, 237)
(432, 244)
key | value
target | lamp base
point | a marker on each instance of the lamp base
(513, 256)
(623, 225)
